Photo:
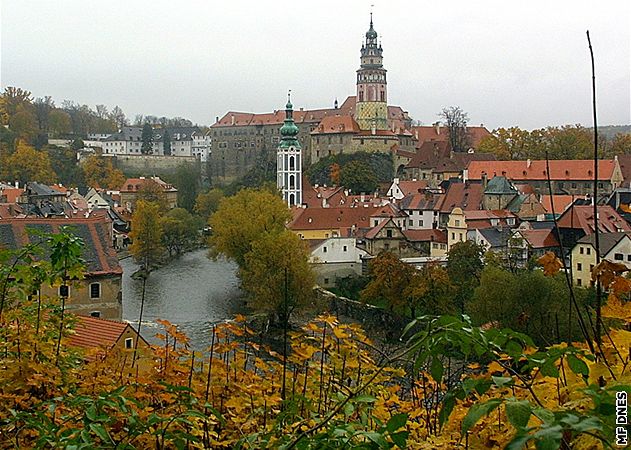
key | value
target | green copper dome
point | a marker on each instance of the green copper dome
(371, 33)
(289, 131)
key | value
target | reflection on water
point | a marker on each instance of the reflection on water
(191, 291)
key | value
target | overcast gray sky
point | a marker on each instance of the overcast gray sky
(506, 63)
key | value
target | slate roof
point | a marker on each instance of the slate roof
(38, 189)
(606, 241)
(499, 185)
(495, 237)
(98, 254)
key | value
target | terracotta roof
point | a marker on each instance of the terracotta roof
(135, 184)
(12, 194)
(540, 238)
(481, 219)
(389, 210)
(337, 124)
(625, 167)
(422, 202)
(412, 187)
(561, 202)
(98, 253)
(582, 217)
(536, 170)
(59, 187)
(467, 196)
(432, 235)
(93, 332)
(374, 230)
(8, 210)
(441, 133)
(330, 218)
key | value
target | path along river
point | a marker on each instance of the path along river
(191, 291)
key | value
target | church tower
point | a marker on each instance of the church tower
(372, 95)
(289, 159)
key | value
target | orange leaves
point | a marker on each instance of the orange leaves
(550, 263)
(608, 272)
(616, 309)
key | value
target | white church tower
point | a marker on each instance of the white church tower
(289, 159)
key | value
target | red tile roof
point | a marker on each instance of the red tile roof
(481, 219)
(561, 202)
(422, 202)
(575, 169)
(582, 217)
(412, 187)
(92, 332)
(467, 196)
(374, 230)
(625, 167)
(337, 124)
(389, 210)
(540, 238)
(441, 133)
(12, 194)
(330, 218)
(135, 184)
(432, 235)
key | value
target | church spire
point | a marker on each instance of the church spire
(289, 159)
(289, 130)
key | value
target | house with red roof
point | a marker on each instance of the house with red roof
(401, 188)
(99, 293)
(570, 177)
(103, 338)
(463, 225)
(578, 221)
(527, 243)
(132, 186)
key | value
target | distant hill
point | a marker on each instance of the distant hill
(610, 131)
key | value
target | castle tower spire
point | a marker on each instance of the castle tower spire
(289, 159)
(372, 94)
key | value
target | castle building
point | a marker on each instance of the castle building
(242, 141)
(288, 162)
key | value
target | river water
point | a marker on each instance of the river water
(191, 291)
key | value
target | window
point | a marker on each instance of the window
(579, 267)
(461, 238)
(457, 223)
(618, 257)
(64, 291)
(386, 246)
(420, 223)
(589, 251)
(579, 282)
(573, 185)
(323, 249)
(96, 314)
(453, 236)
(326, 281)
(628, 257)
(129, 343)
(581, 250)
(344, 248)
(389, 233)
(510, 221)
(410, 223)
(95, 290)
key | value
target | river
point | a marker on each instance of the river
(191, 291)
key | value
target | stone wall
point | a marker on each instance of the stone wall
(149, 165)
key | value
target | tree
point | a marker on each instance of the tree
(151, 191)
(24, 122)
(27, 164)
(430, 291)
(243, 219)
(389, 278)
(208, 202)
(456, 122)
(569, 142)
(59, 122)
(118, 117)
(146, 234)
(147, 140)
(43, 107)
(14, 97)
(65, 165)
(186, 179)
(335, 174)
(102, 112)
(277, 274)
(99, 172)
(358, 177)
(179, 232)
(464, 265)
(166, 142)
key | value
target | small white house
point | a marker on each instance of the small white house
(334, 258)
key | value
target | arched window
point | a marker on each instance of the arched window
(361, 96)
(292, 164)
(292, 199)
(292, 182)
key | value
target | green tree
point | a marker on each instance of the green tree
(389, 279)
(464, 265)
(147, 140)
(166, 142)
(207, 203)
(146, 234)
(59, 122)
(358, 177)
(570, 142)
(187, 180)
(151, 191)
(179, 231)
(243, 219)
(430, 291)
(24, 122)
(65, 165)
(277, 275)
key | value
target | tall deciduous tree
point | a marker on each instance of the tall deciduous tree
(166, 142)
(389, 279)
(59, 122)
(277, 274)
(151, 191)
(146, 234)
(430, 291)
(358, 176)
(187, 179)
(99, 172)
(118, 117)
(464, 265)
(456, 122)
(243, 219)
(208, 202)
(178, 231)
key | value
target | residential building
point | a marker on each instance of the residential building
(578, 221)
(335, 258)
(422, 210)
(614, 247)
(527, 243)
(573, 177)
(324, 223)
(461, 225)
(129, 191)
(98, 294)
(400, 189)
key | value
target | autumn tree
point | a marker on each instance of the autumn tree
(277, 274)
(430, 291)
(207, 203)
(99, 172)
(43, 107)
(151, 191)
(179, 231)
(243, 219)
(621, 144)
(24, 122)
(147, 140)
(59, 122)
(358, 176)
(464, 266)
(456, 122)
(389, 280)
(146, 234)
(65, 165)
(118, 117)
(27, 164)
(334, 174)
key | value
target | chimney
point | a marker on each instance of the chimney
(362, 197)
(484, 180)
(437, 127)
(373, 129)
(17, 184)
(232, 119)
(324, 203)
(216, 119)
(528, 163)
